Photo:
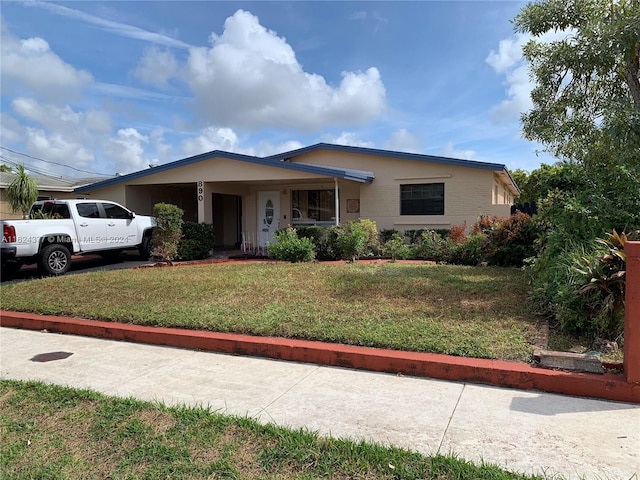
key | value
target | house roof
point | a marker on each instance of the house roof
(282, 160)
(49, 182)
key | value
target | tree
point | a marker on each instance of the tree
(587, 86)
(586, 102)
(586, 112)
(22, 192)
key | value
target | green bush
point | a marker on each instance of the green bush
(396, 248)
(196, 242)
(324, 241)
(433, 246)
(473, 251)
(351, 240)
(167, 232)
(387, 233)
(291, 248)
(512, 241)
(372, 241)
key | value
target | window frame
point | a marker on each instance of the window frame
(424, 204)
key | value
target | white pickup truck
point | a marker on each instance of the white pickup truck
(57, 229)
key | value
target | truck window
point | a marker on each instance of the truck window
(115, 211)
(88, 210)
(52, 210)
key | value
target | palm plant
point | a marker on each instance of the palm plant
(22, 192)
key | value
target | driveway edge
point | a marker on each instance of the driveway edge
(444, 367)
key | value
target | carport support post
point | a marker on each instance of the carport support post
(632, 314)
(335, 180)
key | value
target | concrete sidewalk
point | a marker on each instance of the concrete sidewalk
(522, 431)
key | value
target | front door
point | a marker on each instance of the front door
(268, 216)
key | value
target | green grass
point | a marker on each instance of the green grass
(57, 433)
(465, 311)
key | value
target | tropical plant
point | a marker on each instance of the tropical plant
(604, 285)
(22, 192)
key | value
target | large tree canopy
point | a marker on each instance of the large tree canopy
(587, 86)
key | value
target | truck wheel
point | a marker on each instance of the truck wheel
(145, 247)
(54, 260)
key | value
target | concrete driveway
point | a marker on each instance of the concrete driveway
(83, 264)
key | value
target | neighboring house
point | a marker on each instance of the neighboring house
(322, 184)
(49, 187)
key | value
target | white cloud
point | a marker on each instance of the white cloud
(226, 140)
(508, 61)
(30, 64)
(156, 67)
(56, 147)
(121, 29)
(509, 53)
(266, 149)
(404, 141)
(64, 119)
(250, 77)
(359, 15)
(212, 138)
(350, 139)
(126, 150)
(448, 150)
(11, 131)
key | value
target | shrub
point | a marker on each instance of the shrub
(415, 236)
(457, 233)
(433, 246)
(196, 242)
(603, 285)
(472, 252)
(387, 233)
(486, 224)
(351, 240)
(396, 248)
(512, 241)
(372, 241)
(323, 239)
(291, 248)
(167, 232)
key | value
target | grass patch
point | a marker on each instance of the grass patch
(54, 432)
(465, 311)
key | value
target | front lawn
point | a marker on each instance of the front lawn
(477, 312)
(55, 432)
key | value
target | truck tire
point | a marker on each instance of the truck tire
(54, 260)
(145, 247)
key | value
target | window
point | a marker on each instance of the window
(52, 209)
(88, 210)
(115, 211)
(312, 206)
(422, 199)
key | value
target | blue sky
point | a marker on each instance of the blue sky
(112, 86)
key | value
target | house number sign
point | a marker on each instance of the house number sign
(200, 191)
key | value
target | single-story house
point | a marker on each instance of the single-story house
(246, 196)
(49, 187)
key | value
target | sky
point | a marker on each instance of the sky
(103, 87)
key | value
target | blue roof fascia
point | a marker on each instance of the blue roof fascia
(390, 154)
(354, 175)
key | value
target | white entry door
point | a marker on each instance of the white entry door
(268, 216)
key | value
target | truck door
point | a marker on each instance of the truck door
(91, 228)
(122, 229)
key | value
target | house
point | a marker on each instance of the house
(322, 184)
(49, 187)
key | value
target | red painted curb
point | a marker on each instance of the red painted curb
(445, 367)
